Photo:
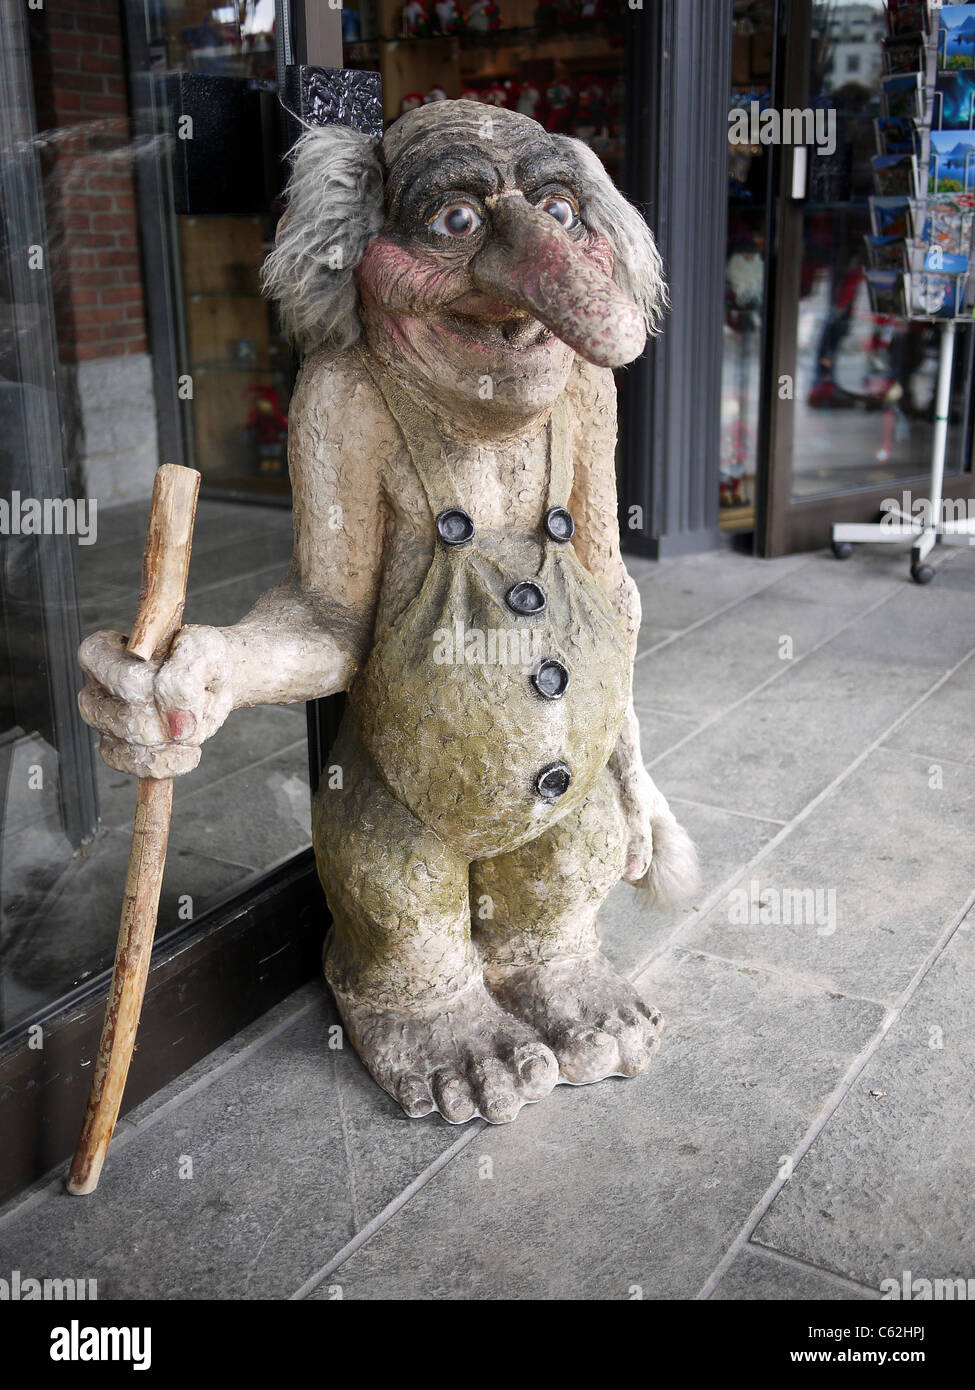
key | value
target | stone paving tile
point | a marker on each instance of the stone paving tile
(632, 1182)
(218, 604)
(273, 820)
(660, 730)
(248, 735)
(887, 1186)
(942, 727)
(771, 756)
(704, 671)
(226, 602)
(758, 1277)
(897, 855)
(725, 842)
(682, 592)
(649, 636)
(292, 1149)
(235, 540)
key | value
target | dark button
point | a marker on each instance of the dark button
(526, 597)
(559, 524)
(455, 527)
(553, 781)
(551, 679)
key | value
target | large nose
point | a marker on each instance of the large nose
(532, 263)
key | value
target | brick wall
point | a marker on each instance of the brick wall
(82, 115)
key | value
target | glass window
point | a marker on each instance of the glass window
(865, 379)
(748, 174)
(133, 333)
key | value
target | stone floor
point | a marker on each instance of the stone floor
(807, 1128)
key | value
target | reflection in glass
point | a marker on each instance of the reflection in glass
(864, 387)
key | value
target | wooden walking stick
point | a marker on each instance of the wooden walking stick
(165, 567)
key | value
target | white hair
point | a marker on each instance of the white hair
(335, 208)
(637, 267)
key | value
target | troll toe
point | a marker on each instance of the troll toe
(589, 1015)
(462, 1056)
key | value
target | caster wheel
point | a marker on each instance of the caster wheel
(922, 574)
(842, 549)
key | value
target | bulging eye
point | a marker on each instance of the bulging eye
(457, 220)
(560, 208)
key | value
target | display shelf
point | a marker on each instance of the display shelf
(924, 531)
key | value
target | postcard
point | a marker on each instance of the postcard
(907, 16)
(886, 292)
(902, 96)
(954, 101)
(889, 217)
(956, 36)
(934, 296)
(897, 135)
(952, 167)
(895, 174)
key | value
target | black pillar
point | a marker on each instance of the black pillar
(678, 55)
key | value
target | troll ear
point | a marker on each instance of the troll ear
(335, 208)
(637, 267)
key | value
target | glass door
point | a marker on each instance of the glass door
(851, 384)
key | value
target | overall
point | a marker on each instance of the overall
(491, 706)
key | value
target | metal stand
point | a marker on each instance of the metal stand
(930, 528)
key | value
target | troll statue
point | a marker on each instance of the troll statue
(459, 291)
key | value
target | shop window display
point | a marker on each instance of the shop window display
(752, 37)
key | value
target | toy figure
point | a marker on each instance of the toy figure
(483, 17)
(512, 91)
(590, 109)
(456, 412)
(410, 102)
(416, 20)
(530, 101)
(267, 427)
(447, 17)
(558, 95)
(436, 93)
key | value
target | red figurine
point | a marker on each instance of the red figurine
(416, 20)
(483, 17)
(530, 101)
(266, 427)
(559, 97)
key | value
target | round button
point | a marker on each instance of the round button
(551, 679)
(526, 597)
(553, 781)
(455, 527)
(559, 524)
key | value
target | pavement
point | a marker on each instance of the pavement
(807, 1129)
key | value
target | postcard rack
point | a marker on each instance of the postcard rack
(922, 243)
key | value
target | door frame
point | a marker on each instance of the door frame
(784, 526)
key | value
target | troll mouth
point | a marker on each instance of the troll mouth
(517, 333)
